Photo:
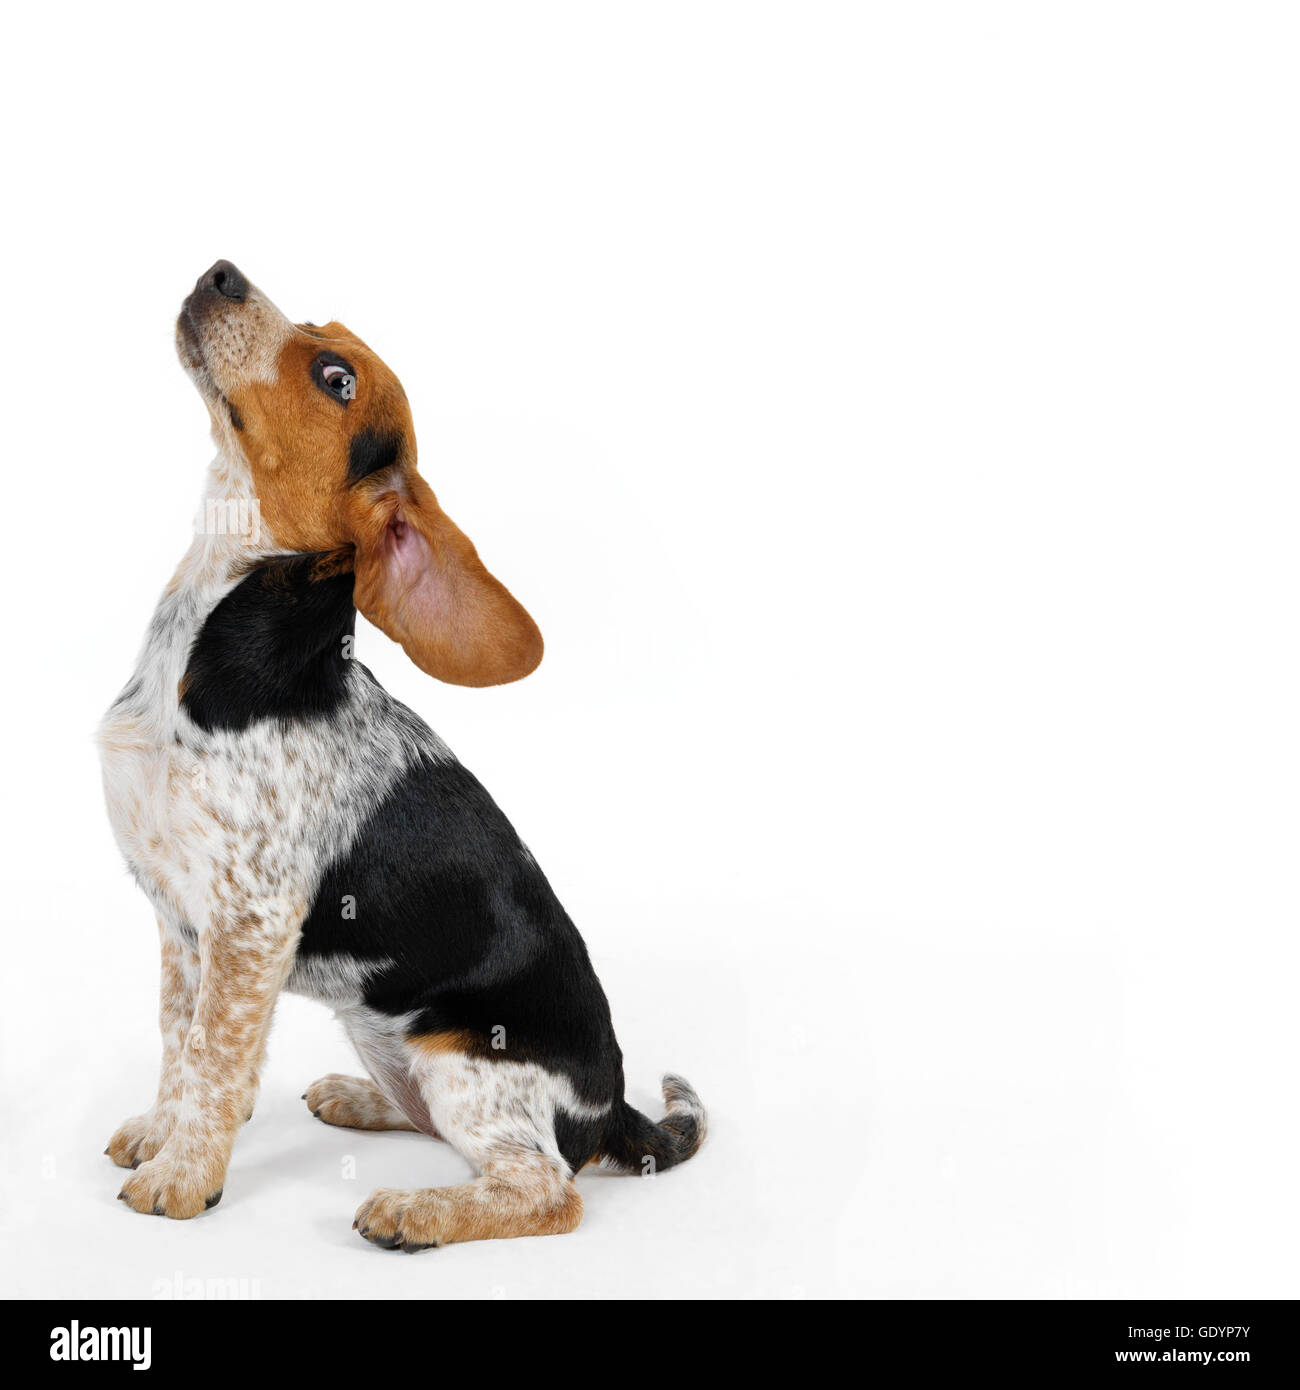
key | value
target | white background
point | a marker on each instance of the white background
(889, 414)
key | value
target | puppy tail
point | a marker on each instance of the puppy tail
(634, 1143)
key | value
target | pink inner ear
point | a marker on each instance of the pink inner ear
(405, 553)
(408, 563)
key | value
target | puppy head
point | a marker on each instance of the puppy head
(326, 431)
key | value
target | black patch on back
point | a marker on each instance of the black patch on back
(272, 648)
(371, 451)
(444, 889)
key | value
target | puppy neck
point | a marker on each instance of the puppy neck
(230, 534)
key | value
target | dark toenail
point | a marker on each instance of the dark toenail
(316, 1113)
(135, 1163)
(158, 1211)
(121, 1196)
(214, 1199)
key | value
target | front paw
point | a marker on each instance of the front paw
(165, 1187)
(136, 1141)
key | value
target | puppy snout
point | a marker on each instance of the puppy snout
(223, 278)
(228, 333)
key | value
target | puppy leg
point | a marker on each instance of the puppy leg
(354, 1102)
(500, 1116)
(259, 1061)
(518, 1195)
(244, 958)
(381, 1044)
(140, 1138)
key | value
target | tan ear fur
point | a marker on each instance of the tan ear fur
(419, 578)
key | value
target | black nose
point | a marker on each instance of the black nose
(224, 279)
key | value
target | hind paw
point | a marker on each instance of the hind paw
(394, 1220)
(353, 1103)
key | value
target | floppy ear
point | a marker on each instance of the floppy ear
(419, 578)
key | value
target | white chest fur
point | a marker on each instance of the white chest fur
(222, 824)
(153, 771)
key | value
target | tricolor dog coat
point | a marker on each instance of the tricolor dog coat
(296, 827)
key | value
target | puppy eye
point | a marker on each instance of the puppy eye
(339, 380)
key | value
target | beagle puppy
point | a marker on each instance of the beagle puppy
(296, 827)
